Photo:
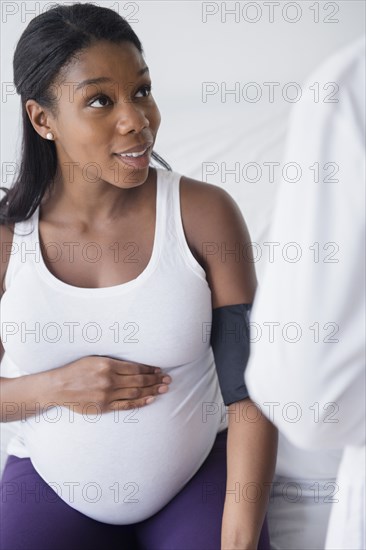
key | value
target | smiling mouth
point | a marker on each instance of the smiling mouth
(135, 159)
(133, 155)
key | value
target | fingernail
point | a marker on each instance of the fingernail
(150, 400)
(166, 379)
(162, 389)
(157, 370)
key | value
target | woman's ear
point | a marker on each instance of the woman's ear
(38, 117)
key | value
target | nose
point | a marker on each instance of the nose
(132, 118)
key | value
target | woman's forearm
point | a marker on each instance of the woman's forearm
(251, 460)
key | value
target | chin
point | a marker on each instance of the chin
(130, 178)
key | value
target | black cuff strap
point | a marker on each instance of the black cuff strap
(230, 341)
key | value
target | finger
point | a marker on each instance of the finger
(126, 367)
(140, 380)
(138, 393)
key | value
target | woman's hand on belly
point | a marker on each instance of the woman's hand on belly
(110, 384)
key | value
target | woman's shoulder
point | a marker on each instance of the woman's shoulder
(200, 189)
(205, 201)
(207, 211)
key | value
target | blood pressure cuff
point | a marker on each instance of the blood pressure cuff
(230, 345)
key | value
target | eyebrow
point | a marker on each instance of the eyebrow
(103, 79)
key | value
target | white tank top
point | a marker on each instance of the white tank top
(117, 467)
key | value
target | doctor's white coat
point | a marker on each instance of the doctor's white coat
(307, 365)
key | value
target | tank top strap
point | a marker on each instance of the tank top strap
(24, 244)
(174, 236)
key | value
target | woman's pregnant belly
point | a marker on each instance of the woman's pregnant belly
(122, 467)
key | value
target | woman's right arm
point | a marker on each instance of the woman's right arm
(112, 384)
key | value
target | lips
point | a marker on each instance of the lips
(132, 155)
(138, 160)
(136, 150)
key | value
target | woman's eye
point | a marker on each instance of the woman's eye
(145, 89)
(101, 98)
(104, 100)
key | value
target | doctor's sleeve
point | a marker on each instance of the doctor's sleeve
(307, 369)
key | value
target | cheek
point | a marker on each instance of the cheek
(73, 129)
(77, 122)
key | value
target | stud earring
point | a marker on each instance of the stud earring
(49, 135)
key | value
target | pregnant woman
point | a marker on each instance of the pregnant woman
(110, 287)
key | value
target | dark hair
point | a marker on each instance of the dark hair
(48, 45)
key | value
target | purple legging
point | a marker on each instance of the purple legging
(190, 521)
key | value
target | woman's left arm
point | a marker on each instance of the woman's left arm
(225, 248)
(251, 459)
